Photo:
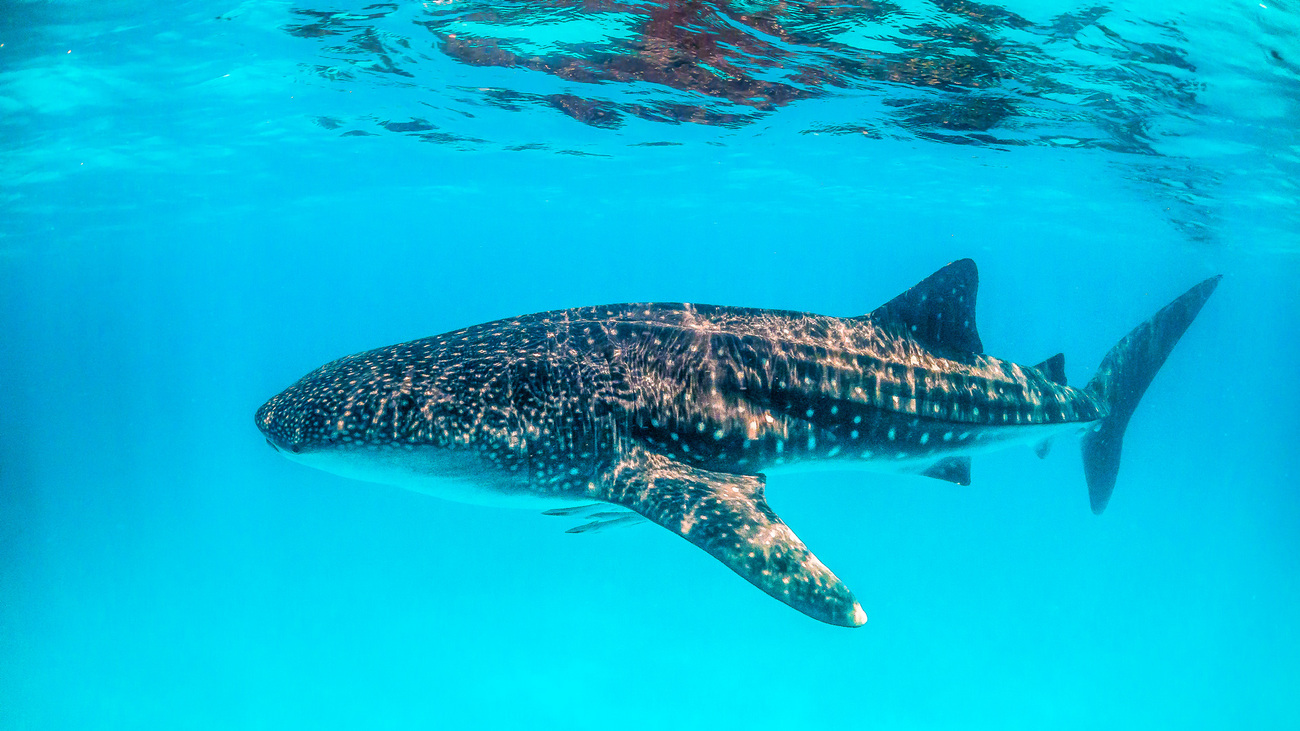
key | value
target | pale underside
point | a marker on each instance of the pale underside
(436, 472)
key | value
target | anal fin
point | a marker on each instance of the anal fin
(950, 469)
(728, 517)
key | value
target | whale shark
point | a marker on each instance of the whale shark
(675, 413)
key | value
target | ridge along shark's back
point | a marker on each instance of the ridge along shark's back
(674, 411)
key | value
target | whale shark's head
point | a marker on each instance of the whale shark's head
(352, 411)
(382, 416)
(331, 408)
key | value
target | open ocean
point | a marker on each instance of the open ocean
(202, 201)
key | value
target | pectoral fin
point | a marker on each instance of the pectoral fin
(727, 516)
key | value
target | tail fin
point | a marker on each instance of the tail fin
(1123, 377)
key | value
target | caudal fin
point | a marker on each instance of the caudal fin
(1123, 377)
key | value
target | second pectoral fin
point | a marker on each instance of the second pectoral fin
(727, 516)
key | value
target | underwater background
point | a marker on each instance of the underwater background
(200, 202)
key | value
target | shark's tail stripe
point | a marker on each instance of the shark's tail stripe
(1123, 377)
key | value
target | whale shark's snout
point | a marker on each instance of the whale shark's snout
(350, 406)
(302, 419)
(278, 425)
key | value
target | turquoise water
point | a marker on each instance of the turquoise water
(199, 202)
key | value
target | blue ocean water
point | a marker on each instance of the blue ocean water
(199, 202)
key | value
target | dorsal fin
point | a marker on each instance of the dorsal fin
(951, 469)
(1054, 369)
(940, 311)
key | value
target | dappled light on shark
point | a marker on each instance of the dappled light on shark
(676, 412)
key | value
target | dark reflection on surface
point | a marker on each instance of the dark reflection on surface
(949, 70)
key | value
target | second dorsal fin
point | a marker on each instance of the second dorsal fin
(940, 311)
(1053, 369)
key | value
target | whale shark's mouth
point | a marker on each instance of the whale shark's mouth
(291, 449)
(281, 445)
